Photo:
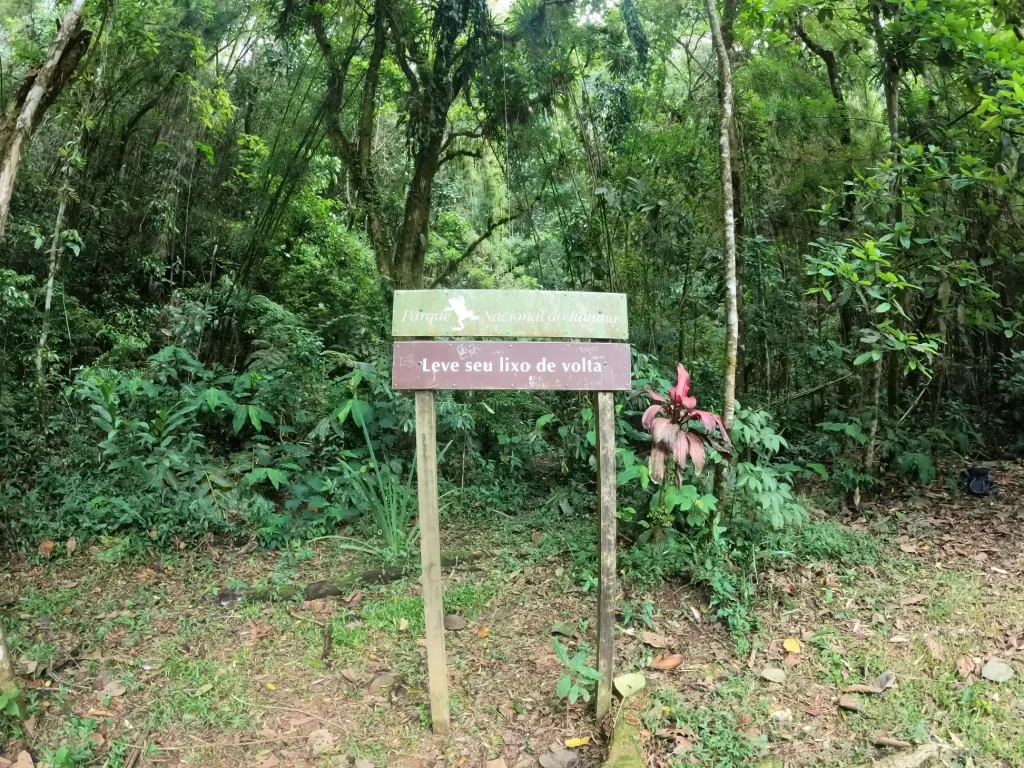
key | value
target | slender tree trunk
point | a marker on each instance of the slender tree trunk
(729, 222)
(48, 302)
(8, 680)
(891, 87)
(27, 117)
(730, 10)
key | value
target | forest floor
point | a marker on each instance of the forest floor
(143, 666)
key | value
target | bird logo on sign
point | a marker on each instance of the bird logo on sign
(457, 304)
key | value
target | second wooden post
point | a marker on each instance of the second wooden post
(607, 587)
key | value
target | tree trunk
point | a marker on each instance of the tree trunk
(891, 87)
(411, 250)
(828, 58)
(8, 680)
(54, 72)
(729, 11)
(729, 222)
(45, 332)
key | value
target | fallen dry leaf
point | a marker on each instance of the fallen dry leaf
(885, 740)
(45, 549)
(965, 666)
(71, 546)
(665, 662)
(791, 660)
(933, 648)
(653, 639)
(114, 688)
(791, 644)
(850, 703)
(321, 741)
(24, 761)
(580, 741)
(483, 632)
(914, 599)
(886, 680)
(773, 675)
(403, 625)
(499, 763)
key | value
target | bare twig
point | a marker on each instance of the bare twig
(914, 404)
(812, 390)
(289, 709)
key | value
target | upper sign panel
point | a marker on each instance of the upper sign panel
(510, 314)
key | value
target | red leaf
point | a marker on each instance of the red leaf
(680, 393)
(655, 396)
(649, 415)
(697, 453)
(664, 432)
(680, 449)
(656, 464)
(711, 422)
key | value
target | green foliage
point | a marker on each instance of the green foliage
(578, 679)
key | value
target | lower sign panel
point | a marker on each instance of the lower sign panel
(510, 365)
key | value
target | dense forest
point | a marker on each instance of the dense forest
(206, 206)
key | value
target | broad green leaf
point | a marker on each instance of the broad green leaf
(564, 684)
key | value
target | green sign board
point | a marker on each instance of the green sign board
(525, 314)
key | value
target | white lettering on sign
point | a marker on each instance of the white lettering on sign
(510, 365)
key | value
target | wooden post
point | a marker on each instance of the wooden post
(607, 589)
(430, 553)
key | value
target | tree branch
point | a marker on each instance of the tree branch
(451, 266)
(832, 67)
(477, 134)
(458, 153)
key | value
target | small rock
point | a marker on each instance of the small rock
(997, 671)
(560, 758)
(454, 622)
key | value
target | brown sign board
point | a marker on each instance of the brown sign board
(510, 314)
(510, 365)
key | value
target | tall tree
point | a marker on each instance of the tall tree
(732, 334)
(437, 50)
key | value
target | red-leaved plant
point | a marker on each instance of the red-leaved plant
(668, 421)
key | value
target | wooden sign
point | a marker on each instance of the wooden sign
(510, 365)
(522, 314)
(424, 366)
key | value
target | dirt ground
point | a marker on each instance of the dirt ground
(142, 665)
